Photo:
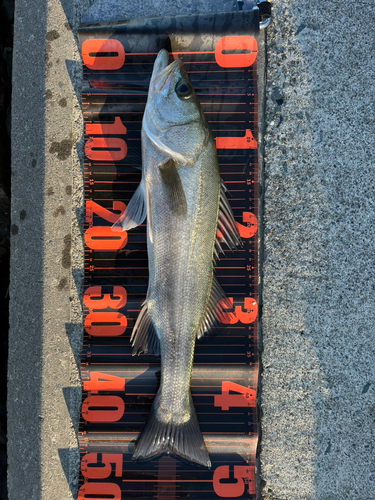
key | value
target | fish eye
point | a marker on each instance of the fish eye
(184, 89)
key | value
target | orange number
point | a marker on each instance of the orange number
(93, 208)
(230, 318)
(225, 316)
(245, 398)
(229, 51)
(116, 128)
(246, 142)
(105, 149)
(104, 239)
(103, 54)
(251, 313)
(102, 409)
(103, 471)
(93, 298)
(243, 474)
(102, 491)
(105, 324)
(103, 382)
(251, 227)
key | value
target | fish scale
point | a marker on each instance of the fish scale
(191, 258)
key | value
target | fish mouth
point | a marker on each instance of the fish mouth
(162, 74)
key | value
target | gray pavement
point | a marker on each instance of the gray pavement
(317, 385)
(45, 283)
(318, 271)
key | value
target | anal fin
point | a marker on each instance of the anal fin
(144, 338)
(210, 315)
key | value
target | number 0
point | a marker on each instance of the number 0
(102, 491)
(106, 54)
(236, 51)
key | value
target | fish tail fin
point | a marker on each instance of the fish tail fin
(182, 439)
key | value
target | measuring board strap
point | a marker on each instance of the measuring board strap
(219, 52)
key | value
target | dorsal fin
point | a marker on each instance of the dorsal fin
(227, 230)
(210, 315)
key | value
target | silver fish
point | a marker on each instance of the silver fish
(184, 199)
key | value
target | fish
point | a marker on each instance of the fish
(188, 219)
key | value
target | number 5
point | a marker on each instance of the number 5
(102, 471)
(243, 474)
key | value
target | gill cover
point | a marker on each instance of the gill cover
(173, 119)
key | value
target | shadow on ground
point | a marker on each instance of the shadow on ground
(6, 45)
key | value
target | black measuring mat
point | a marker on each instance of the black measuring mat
(219, 52)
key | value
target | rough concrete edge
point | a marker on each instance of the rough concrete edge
(262, 81)
(111, 10)
(45, 327)
(77, 275)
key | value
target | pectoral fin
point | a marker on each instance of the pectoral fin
(135, 212)
(174, 191)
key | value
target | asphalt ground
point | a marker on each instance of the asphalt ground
(317, 237)
(6, 44)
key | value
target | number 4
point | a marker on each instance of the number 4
(245, 398)
(103, 382)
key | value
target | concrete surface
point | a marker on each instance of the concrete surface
(46, 277)
(317, 395)
(318, 404)
(108, 10)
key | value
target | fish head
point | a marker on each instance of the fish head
(173, 118)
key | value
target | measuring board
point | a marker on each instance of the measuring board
(219, 52)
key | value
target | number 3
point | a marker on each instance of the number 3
(230, 318)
